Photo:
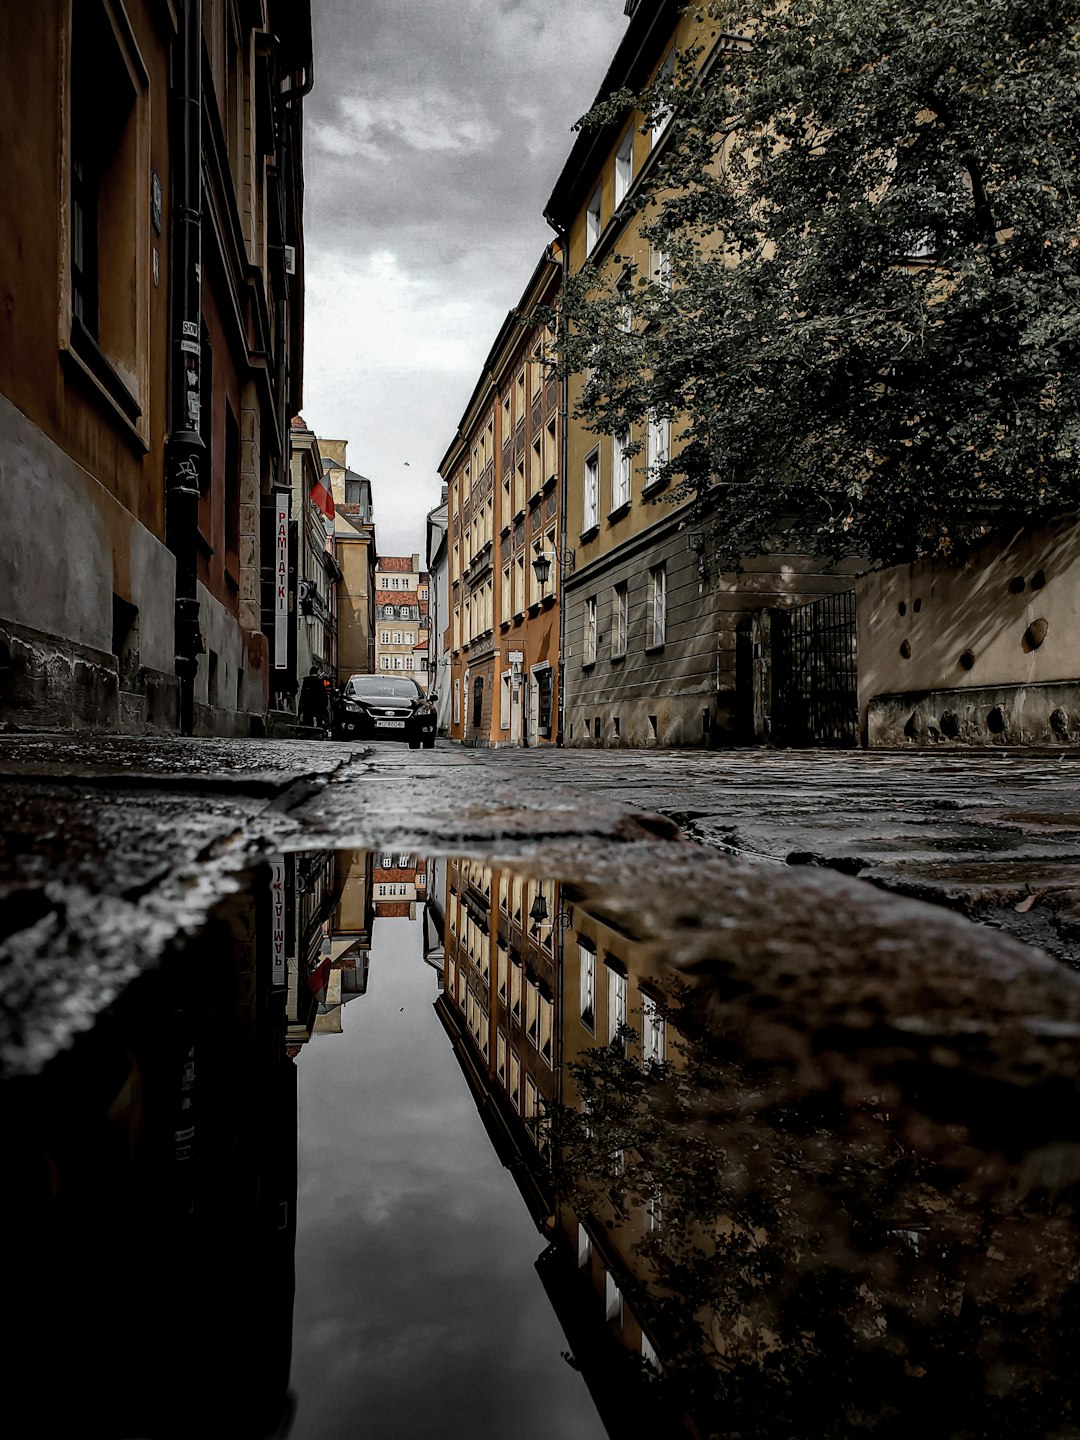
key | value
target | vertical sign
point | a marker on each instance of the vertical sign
(281, 579)
(279, 972)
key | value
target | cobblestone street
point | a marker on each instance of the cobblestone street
(113, 846)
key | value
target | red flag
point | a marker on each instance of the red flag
(322, 498)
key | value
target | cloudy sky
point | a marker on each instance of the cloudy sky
(434, 134)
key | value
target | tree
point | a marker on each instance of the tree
(840, 1244)
(869, 342)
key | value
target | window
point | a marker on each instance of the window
(507, 417)
(478, 702)
(547, 1025)
(587, 984)
(616, 1004)
(515, 991)
(386, 662)
(500, 1057)
(551, 446)
(532, 1011)
(620, 471)
(457, 703)
(658, 605)
(532, 1099)
(504, 700)
(652, 1029)
(658, 447)
(107, 304)
(537, 476)
(515, 1080)
(663, 114)
(592, 222)
(584, 1246)
(588, 654)
(620, 609)
(613, 1302)
(624, 167)
(660, 268)
(591, 507)
(502, 972)
(519, 397)
(505, 595)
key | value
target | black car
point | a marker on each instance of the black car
(385, 707)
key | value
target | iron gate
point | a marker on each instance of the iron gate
(815, 690)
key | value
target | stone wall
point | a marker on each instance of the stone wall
(86, 597)
(983, 651)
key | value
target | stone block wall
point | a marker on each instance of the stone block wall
(984, 651)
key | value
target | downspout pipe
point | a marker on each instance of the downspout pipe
(185, 454)
(564, 425)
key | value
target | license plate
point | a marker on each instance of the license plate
(389, 724)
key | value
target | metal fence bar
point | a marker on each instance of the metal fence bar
(815, 692)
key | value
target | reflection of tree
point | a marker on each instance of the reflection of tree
(817, 1263)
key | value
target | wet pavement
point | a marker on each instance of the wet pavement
(734, 1137)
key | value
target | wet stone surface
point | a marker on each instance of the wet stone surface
(758, 1149)
(762, 1144)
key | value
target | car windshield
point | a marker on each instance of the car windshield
(382, 688)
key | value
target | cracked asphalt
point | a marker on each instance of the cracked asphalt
(114, 849)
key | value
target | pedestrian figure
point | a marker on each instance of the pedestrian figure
(314, 706)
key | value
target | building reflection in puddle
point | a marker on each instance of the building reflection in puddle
(753, 1239)
(740, 1246)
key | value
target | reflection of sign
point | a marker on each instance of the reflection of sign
(281, 579)
(277, 921)
(155, 200)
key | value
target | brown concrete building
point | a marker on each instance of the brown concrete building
(501, 980)
(398, 883)
(402, 614)
(313, 633)
(659, 648)
(150, 354)
(506, 549)
(355, 552)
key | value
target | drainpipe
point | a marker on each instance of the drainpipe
(185, 454)
(564, 425)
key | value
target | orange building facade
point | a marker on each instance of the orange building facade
(506, 546)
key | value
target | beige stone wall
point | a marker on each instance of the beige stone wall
(976, 623)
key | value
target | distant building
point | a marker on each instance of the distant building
(312, 564)
(399, 880)
(506, 546)
(355, 551)
(402, 616)
(438, 563)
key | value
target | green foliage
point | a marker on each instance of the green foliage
(870, 345)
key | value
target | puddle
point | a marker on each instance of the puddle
(406, 1147)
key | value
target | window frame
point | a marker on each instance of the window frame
(84, 347)
(658, 606)
(594, 213)
(590, 495)
(620, 618)
(624, 167)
